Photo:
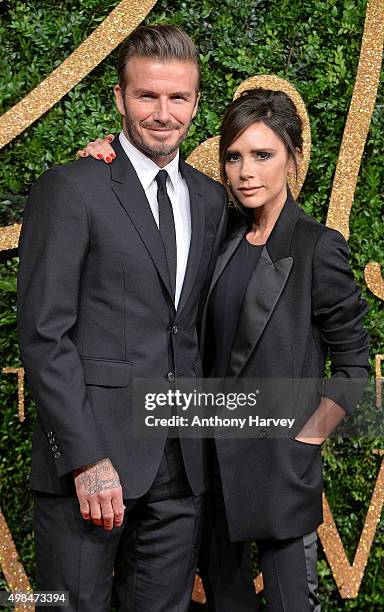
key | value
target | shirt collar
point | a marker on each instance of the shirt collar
(146, 169)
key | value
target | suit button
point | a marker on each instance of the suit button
(175, 329)
(57, 455)
(263, 434)
(51, 440)
(50, 434)
(170, 376)
(54, 448)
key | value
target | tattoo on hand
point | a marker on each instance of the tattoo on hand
(98, 477)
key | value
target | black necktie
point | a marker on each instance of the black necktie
(167, 226)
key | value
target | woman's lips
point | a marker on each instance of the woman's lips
(249, 191)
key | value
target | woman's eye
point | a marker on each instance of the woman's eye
(264, 155)
(232, 157)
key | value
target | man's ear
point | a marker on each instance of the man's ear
(119, 99)
(196, 105)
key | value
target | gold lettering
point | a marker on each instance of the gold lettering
(20, 389)
(379, 380)
(10, 564)
(348, 577)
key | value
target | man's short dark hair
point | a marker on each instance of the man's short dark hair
(165, 42)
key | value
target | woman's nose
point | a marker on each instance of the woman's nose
(246, 170)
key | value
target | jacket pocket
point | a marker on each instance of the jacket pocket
(304, 456)
(106, 372)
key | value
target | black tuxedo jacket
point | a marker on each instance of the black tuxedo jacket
(95, 310)
(301, 303)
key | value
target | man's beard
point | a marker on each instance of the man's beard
(160, 150)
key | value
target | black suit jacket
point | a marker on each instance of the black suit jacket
(95, 310)
(301, 302)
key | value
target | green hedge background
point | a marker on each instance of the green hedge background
(315, 45)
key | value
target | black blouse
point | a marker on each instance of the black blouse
(226, 301)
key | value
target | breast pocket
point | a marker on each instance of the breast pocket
(106, 372)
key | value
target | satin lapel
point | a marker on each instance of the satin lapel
(131, 195)
(197, 208)
(263, 292)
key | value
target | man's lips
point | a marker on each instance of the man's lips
(164, 130)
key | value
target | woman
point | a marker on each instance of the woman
(284, 294)
(281, 297)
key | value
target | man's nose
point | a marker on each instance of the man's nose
(161, 113)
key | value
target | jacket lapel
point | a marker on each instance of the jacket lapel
(128, 189)
(263, 292)
(197, 209)
(265, 288)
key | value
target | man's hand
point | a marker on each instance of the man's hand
(100, 494)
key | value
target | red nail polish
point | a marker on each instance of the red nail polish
(108, 160)
(113, 155)
(100, 155)
(109, 138)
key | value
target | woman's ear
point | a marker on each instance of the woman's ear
(293, 163)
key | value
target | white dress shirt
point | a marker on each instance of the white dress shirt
(178, 193)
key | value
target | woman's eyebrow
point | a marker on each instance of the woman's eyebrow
(258, 150)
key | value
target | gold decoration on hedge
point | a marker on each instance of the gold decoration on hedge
(374, 279)
(20, 389)
(359, 119)
(9, 237)
(349, 577)
(379, 379)
(13, 569)
(206, 156)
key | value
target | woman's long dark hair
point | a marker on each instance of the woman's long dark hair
(273, 108)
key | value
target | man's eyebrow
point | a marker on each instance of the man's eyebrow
(174, 94)
(143, 92)
(182, 94)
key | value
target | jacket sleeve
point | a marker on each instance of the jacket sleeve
(53, 246)
(338, 308)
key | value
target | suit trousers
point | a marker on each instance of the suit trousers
(150, 560)
(288, 566)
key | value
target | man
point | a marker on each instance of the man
(115, 262)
